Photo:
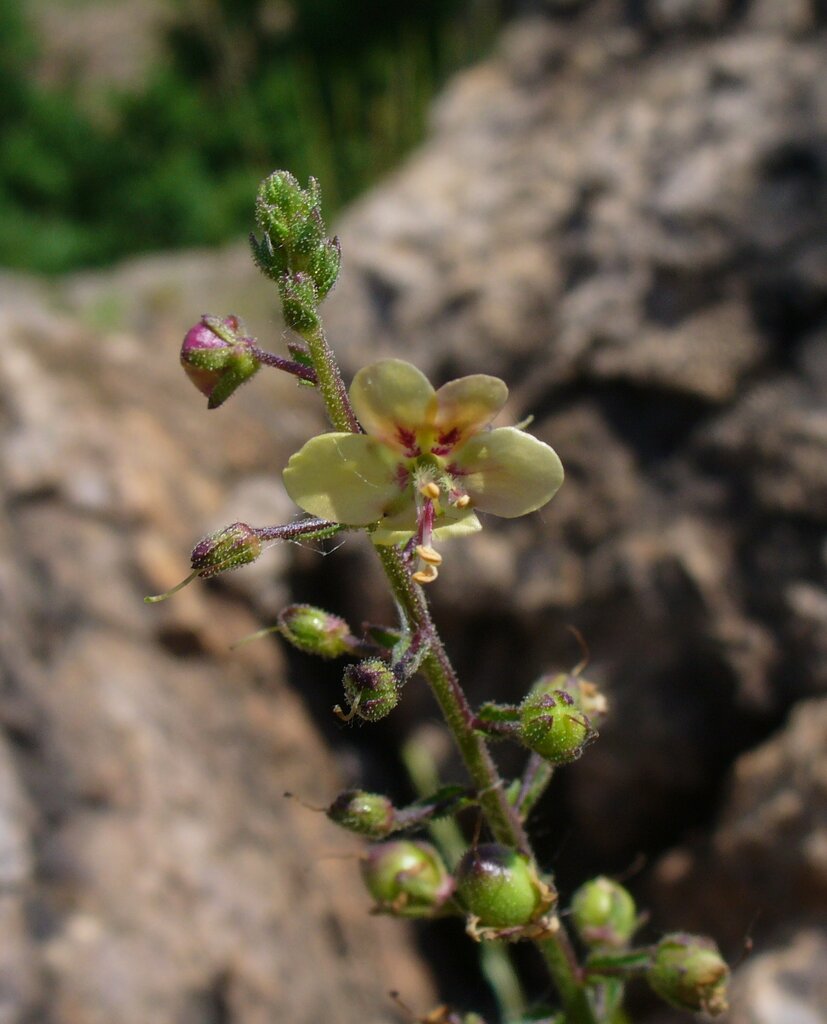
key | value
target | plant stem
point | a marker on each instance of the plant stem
(563, 967)
(330, 383)
(437, 669)
(536, 777)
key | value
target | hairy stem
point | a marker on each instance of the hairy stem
(536, 778)
(563, 967)
(330, 383)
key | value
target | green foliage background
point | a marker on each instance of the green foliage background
(341, 92)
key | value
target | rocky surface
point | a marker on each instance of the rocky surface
(624, 213)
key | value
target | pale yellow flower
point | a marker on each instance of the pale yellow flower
(426, 463)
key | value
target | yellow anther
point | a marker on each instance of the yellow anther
(427, 554)
(426, 575)
(429, 490)
(463, 501)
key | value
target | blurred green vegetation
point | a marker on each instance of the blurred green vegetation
(337, 89)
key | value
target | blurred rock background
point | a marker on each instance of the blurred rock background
(622, 210)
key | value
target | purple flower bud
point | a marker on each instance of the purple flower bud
(235, 545)
(217, 357)
(371, 689)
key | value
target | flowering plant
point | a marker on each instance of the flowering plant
(409, 465)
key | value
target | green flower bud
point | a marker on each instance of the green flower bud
(407, 878)
(325, 265)
(586, 695)
(280, 196)
(315, 631)
(299, 300)
(218, 358)
(552, 725)
(234, 546)
(604, 913)
(499, 886)
(368, 814)
(294, 237)
(371, 689)
(690, 974)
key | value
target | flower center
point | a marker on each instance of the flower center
(435, 489)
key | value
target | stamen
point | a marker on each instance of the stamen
(463, 501)
(426, 575)
(429, 490)
(428, 554)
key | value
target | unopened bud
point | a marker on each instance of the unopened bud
(690, 974)
(315, 631)
(299, 300)
(500, 886)
(294, 238)
(371, 689)
(604, 913)
(325, 265)
(235, 545)
(218, 358)
(368, 814)
(407, 878)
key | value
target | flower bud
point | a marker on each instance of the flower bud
(371, 689)
(299, 300)
(368, 814)
(235, 545)
(689, 973)
(586, 695)
(407, 878)
(604, 913)
(499, 886)
(217, 357)
(294, 235)
(325, 265)
(552, 725)
(315, 631)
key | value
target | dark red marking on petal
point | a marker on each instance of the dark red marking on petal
(407, 440)
(450, 437)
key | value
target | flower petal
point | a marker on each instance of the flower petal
(349, 478)
(466, 405)
(508, 472)
(393, 401)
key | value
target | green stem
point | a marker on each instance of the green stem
(437, 669)
(536, 778)
(495, 961)
(331, 385)
(563, 967)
